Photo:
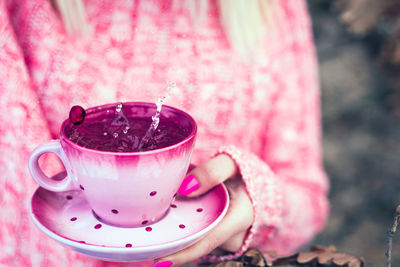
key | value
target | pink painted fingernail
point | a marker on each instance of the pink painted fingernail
(188, 185)
(163, 264)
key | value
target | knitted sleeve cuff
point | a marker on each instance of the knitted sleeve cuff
(265, 195)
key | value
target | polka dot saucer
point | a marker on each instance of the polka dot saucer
(67, 218)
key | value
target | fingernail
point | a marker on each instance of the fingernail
(188, 185)
(163, 264)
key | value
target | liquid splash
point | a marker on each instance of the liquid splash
(156, 118)
(119, 133)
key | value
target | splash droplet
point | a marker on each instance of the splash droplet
(119, 107)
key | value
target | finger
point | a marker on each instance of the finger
(240, 199)
(234, 223)
(234, 243)
(207, 175)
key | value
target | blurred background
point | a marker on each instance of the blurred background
(356, 46)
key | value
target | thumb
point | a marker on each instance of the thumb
(207, 175)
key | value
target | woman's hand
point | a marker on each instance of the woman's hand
(229, 234)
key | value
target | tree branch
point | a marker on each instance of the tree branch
(390, 235)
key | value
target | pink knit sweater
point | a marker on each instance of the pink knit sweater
(265, 114)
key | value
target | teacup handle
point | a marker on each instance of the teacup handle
(53, 146)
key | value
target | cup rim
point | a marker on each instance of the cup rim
(115, 153)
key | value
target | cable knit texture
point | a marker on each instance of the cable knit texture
(264, 114)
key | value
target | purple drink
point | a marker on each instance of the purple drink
(116, 130)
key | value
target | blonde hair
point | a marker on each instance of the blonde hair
(243, 22)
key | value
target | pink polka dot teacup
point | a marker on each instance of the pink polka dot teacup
(127, 164)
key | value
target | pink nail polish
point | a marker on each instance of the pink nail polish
(188, 185)
(163, 264)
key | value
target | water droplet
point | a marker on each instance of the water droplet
(125, 131)
(119, 107)
(108, 111)
(156, 118)
(115, 135)
(105, 133)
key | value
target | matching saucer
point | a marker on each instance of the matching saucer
(67, 218)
